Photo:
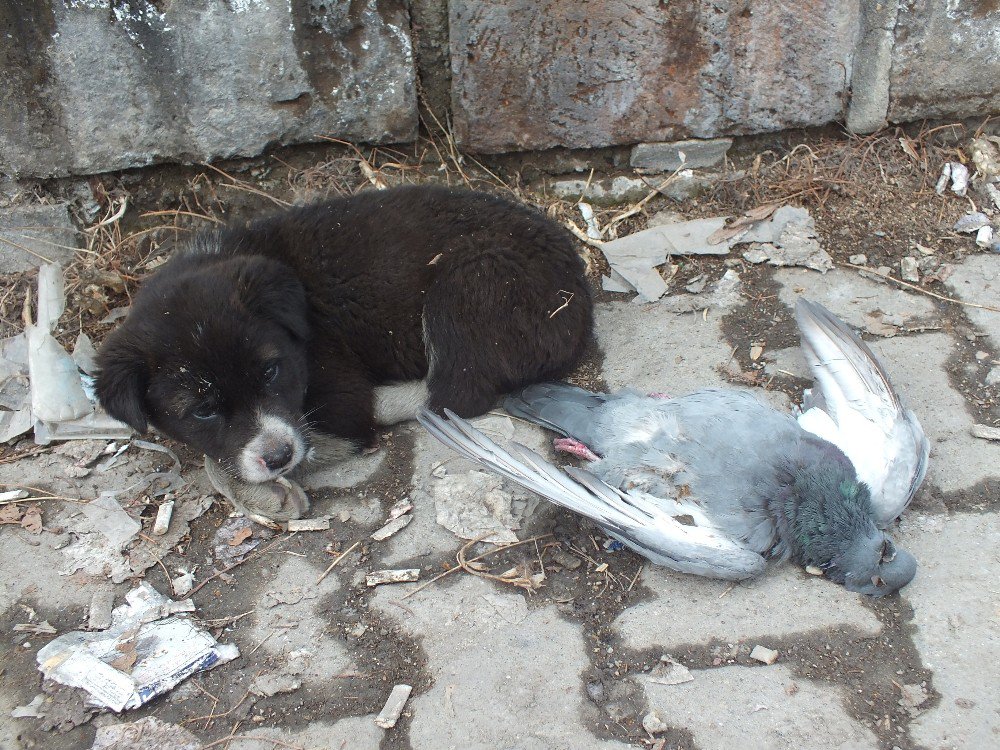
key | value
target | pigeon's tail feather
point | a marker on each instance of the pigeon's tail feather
(560, 407)
(632, 518)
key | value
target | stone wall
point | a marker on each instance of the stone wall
(98, 85)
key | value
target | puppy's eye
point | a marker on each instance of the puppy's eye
(271, 373)
(206, 411)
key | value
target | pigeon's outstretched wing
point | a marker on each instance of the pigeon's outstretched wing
(650, 525)
(853, 405)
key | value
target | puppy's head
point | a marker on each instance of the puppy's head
(213, 353)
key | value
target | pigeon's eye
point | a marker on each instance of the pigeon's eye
(888, 551)
(877, 580)
(271, 373)
(206, 411)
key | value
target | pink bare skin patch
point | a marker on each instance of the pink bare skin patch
(575, 448)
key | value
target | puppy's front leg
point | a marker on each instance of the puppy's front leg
(344, 407)
(280, 500)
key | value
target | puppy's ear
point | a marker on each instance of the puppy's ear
(122, 381)
(273, 291)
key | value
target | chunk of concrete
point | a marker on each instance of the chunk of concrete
(957, 626)
(854, 298)
(666, 157)
(689, 609)
(917, 366)
(977, 279)
(733, 707)
(481, 640)
(650, 348)
(37, 234)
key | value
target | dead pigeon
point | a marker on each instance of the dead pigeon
(713, 483)
(853, 405)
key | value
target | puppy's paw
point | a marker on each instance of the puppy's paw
(280, 500)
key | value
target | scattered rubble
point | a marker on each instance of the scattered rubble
(653, 724)
(717, 295)
(101, 603)
(31, 710)
(163, 515)
(392, 527)
(670, 672)
(972, 222)
(309, 524)
(764, 654)
(602, 192)
(149, 648)
(782, 236)
(986, 156)
(788, 239)
(479, 505)
(393, 707)
(382, 577)
(985, 432)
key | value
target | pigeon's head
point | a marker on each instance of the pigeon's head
(875, 566)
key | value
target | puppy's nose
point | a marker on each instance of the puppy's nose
(277, 458)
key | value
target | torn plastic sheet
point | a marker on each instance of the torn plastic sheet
(61, 406)
(167, 647)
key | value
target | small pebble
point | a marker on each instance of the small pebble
(908, 269)
(859, 260)
(764, 654)
(653, 724)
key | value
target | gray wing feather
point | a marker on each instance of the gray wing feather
(849, 377)
(634, 518)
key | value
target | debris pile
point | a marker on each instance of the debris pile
(149, 648)
(781, 236)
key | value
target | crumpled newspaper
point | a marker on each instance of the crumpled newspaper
(149, 649)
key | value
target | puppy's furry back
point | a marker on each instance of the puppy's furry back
(480, 278)
(474, 294)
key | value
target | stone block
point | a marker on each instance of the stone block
(666, 157)
(956, 624)
(977, 280)
(96, 86)
(758, 707)
(689, 609)
(481, 640)
(945, 61)
(534, 74)
(32, 235)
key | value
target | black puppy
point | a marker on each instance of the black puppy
(295, 337)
